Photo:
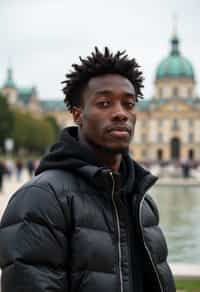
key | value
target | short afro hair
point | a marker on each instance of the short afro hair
(98, 64)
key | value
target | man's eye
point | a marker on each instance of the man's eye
(103, 103)
(130, 104)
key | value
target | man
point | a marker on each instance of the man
(85, 223)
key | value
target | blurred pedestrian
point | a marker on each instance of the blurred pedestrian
(19, 167)
(30, 167)
(9, 164)
(2, 172)
(185, 165)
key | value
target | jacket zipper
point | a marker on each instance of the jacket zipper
(118, 231)
(130, 251)
(149, 254)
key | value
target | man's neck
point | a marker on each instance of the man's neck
(110, 160)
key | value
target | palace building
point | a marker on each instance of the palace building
(168, 124)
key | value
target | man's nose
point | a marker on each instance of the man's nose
(119, 113)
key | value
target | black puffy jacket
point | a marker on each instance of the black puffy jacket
(67, 229)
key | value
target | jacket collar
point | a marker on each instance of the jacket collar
(100, 177)
(144, 179)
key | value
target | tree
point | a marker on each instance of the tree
(32, 134)
(53, 124)
(20, 129)
(6, 121)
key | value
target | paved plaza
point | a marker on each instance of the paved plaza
(10, 185)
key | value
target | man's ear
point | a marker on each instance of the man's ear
(77, 115)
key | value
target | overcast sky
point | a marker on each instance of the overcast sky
(40, 39)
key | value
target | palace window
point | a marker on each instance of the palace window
(144, 138)
(160, 123)
(144, 154)
(190, 138)
(160, 138)
(160, 92)
(191, 123)
(189, 92)
(143, 123)
(175, 124)
(175, 92)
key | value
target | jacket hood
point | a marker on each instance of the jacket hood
(69, 154)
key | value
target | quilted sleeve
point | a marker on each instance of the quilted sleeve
(33, 243)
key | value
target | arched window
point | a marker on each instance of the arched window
(191, 154)
(160, 154)
(175, 148)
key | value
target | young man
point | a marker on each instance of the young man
(85, 223)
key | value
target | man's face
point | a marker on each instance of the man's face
(107, 114)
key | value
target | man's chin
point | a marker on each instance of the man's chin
(113, 149)
(119, 150)
(110, 148)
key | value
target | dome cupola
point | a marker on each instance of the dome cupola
(175, 75)
(175, 65)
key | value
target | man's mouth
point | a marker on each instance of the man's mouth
(120, 132)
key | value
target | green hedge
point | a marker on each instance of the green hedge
(188, 285)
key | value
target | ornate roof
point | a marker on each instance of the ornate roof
(175, 65)
(25, 94)
(153, 103)
(53, 105)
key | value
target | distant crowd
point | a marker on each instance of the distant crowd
(185, 168)
(9, 168)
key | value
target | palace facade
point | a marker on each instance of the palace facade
(168, 124)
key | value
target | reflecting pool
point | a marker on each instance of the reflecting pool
(179, 208)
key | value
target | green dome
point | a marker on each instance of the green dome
(175, 65)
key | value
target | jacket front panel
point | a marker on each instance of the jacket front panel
(92, 260)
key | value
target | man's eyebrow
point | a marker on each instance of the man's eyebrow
(103, 92)
(129, 94)
(109, 92)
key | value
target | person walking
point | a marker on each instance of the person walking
(30, 167)
(85, 222)
(2, 172)
(19, 168)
